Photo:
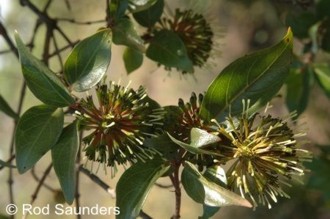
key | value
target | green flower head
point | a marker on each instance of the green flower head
(194, 31)
(119, 122)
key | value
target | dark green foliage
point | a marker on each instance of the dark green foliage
(37, 132)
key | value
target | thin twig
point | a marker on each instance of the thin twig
(5, 51)
(33, 172)
(10, 43)
(12, 47)
(71, 20)
(58, 51)
(98, 181)
(8, 161)
(43, 16)
(58, 54)
(45, 55)
(48, 5)
(41, 182)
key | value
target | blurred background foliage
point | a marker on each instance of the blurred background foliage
(240, 26)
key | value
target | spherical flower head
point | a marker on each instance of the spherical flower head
(265, 156)
(186, 118)
(120, 122)
(183, 121)
(194, 31)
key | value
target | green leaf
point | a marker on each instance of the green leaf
(149, 17)
(124, 33)
(298, 86)
(88, 61)
(209, 212)
(256, 77)
(37, 132)
(135, 184)
(322, 72)
(168, 49)
(140, 5)
(118, 8)
(217, 175)
(64, 155)
(193, 148)
(5, 164)
(42, 82)
(207, 192)
(132, 59)
(162, 144)
(200, 138)
(5, 108)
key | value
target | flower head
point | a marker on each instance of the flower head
(183, 121)
(265, 156)
(186, 118)
(194, 31)
(120, 122)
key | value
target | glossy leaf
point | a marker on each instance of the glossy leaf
(216, 174)
(37, 132)
(256, 77)
(149, 17)
(88, 61)
(5, 164)
(124, 33)
(135, 184)
(5, 108)
(209, 212)
(140, 5)
(168, 49)
(64, 155)
(118, 8)
(162, 144)
(200, 138)
(206, 192)
(43, 83)
(132, 59)
(322, 72)
(193, 148)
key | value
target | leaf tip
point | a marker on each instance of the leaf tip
(17, 37)
(289, 36)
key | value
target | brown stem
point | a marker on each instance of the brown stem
(175, 178)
